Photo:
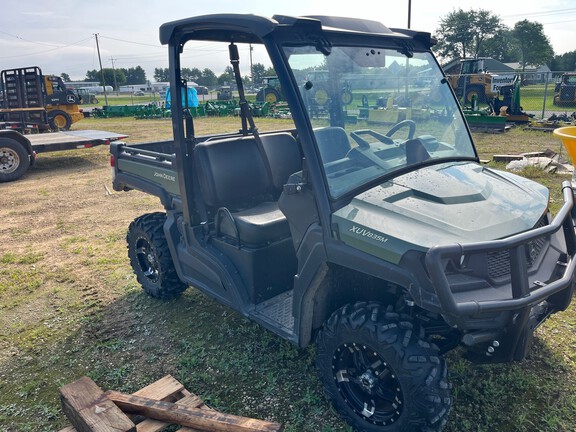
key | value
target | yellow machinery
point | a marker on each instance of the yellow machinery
(475, 80)
(32, 100)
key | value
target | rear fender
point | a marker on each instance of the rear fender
(17, 136)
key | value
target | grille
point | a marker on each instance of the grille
(499, 261)
(567, 93)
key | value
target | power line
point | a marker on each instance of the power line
(540, 14)
(27, 40)
(46, 51)
(131, 42)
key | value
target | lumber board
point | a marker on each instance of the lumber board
(89, 410)
(151, 425)
(163, 388)
(206, 420)
(166, 388)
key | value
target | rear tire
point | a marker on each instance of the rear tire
(14, 160)
(271, 96)
(380, 374)
(150, 257)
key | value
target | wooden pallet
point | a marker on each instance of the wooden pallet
(150, 409)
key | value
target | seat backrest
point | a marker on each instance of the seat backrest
(231, 172)
(283, 156)
(332, 142)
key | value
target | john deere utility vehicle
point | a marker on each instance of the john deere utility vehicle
(379, 237)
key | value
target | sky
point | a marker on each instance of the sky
(60, 36)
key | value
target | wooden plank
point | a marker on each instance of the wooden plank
(166, 388)
(89, 410)
(161, 389)
(151, 425)
(206, 420)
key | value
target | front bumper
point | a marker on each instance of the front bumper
(516, 306)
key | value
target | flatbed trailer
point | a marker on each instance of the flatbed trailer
(18, 152)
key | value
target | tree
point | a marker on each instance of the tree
(204, 77)
(227, 76)
(111, 76)
(501, 47)
(65, 77)
(270, 72)
(564, 62)
(208, 78)
(135, 75)
(463, 33)
(258, 70)
(534, 46)
(161, 74)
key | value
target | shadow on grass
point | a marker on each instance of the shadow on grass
(240, 368)
(232, 363)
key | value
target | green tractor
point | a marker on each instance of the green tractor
(271, 91)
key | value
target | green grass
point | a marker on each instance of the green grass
(120, 99)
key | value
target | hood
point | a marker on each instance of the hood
(440, 204)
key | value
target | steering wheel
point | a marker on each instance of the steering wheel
(404, 123)
(386, 139)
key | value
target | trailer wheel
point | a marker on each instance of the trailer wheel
(14, 160)
(150, 257)
(59, 120)
(379, 373)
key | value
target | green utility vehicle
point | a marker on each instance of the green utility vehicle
(379, 237)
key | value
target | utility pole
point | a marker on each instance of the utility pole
(251, 66)
(101, 71)
(409, 11)
(114, 74)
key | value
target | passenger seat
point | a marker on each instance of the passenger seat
(235, 184)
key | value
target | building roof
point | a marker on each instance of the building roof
(490, 65)
(529, 68)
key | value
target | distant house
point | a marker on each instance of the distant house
(147, 87)
(532, 74)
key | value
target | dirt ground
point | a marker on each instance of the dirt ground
(62, 209)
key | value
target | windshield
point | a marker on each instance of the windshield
(375, 112)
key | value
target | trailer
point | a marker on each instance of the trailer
(18, 152)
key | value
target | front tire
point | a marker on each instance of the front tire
(379, 373)
(150, 257)
(59, 120)
(477, 91)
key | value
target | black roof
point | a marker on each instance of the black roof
(253, 28)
